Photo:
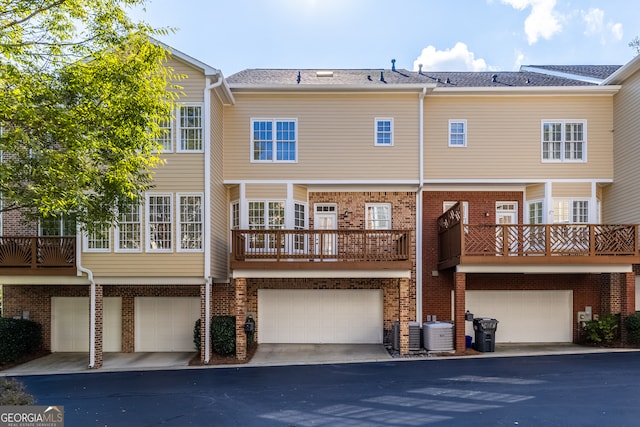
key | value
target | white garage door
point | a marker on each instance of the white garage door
(524, 316)
(165, 323)
(320, 316)
(70, 324)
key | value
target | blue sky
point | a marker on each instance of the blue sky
(443, 35)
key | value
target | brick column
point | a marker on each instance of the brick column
(405, 309)
(241, 315)
(460, 287)
(203, 322)
(627, 300)
(99, 327)
(128, 323)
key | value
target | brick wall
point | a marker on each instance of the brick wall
(14, 224)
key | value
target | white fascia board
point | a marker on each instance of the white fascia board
(518, 181)
(623, 72)
(321, 89)
(207, 69)
(413, 182)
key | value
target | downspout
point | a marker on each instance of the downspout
(92, 304)
(207, 212)
(419, 207)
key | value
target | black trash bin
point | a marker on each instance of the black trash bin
(485, 331)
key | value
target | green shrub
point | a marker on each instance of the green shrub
(602, 331)
(12, 393)
(18, 338)
(632, 325)
(223, 334)
(196, 335)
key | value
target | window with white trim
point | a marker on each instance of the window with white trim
(191, 128)
(57, 226)
(274, 140)
(571, 211)
(457, 133)
(465, 208)
(384, 132)
(166, 135)
(564, 141)
(265, 215)
(159, 223)
(128, 232)
(300, 223)
(190, 229)
(235, 215)
(97, 240)
(378, 216)
(536, 215)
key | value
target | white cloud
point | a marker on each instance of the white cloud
(458, 58)
(595, 25)
(519, 59)
(543, 21)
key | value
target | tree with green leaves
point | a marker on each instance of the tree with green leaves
(83, 92)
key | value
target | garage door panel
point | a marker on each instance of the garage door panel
(524, 316)
(70, 319)
(320, 316)
(165, 323)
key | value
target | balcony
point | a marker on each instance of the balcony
(321, 249)
(41, 256)
(534, 244)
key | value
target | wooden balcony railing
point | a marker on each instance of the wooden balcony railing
(349, 246)
(535, 243)
(38, 255)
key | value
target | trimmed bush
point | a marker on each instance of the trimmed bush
(12, 393)
(223, 335)
(632, 325)
(196, 336)
(602, 331)
(18, 338)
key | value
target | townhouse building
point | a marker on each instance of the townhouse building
(331, 205)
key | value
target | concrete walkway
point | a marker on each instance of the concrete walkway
(277, 355)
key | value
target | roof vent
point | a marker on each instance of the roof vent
(382, 76)
(324, 73)
(299, 77)
(448, 81)
(393, 65)
(419, 68)
(494, 78)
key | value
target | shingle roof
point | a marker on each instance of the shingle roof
(380, 77)
(595, 71)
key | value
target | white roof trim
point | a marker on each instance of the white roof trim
(207, 69)
(572, 76)
(623, 72)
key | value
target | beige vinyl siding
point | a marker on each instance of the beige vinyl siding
(266, 191)
(504, 137)
(145, 264)
(234, 192)
(535, 192)
(335, 136)
(571, 190)
(219, 197)
(300, 193)
(182, 172)
(192, 85)
(622, 198)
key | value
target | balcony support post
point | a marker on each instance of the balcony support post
(405, 307)
(460, 288)
(241, 315)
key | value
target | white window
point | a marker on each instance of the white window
(57, 226)
(166, 135)
(571, 211)
(536, 215)
(274, 140)
(564, 141)
(128, 232)
(378, 216)
(191, 128)
(300, 223)
(98, 240)
(235, 216)
(384, 132)
(190, 229)
(457, 133)
(465, 208)
(159, 221)
(265, 216)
